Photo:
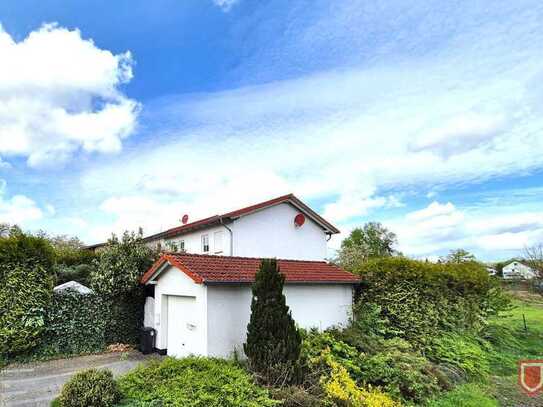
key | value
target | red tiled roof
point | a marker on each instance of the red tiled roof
(229, 269)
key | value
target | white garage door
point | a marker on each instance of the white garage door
(183, 330)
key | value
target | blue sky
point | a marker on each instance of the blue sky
(425, 116)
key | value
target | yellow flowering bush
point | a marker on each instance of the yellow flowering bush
(341, 390)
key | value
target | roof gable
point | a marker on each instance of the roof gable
(207, 269)
(231, 216)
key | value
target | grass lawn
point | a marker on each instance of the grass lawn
(502, 388)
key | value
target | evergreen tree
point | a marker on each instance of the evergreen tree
(273, 342)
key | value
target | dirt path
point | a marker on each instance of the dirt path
(36, 384)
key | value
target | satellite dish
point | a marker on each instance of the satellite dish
(299, 220)
(185, 219)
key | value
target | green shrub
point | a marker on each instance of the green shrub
(465, 351)
(420, 300)
(395, 367)
(70, 251)
(18, 248)
(25, 293)
(91, 387)
(314, 343)
(400, 372)
(340, 389)
(294, 396)
(80, 273)
(367, 330)
(74, 324)
(466, 395)
(194, 382)
(120, 265)
(79, 324)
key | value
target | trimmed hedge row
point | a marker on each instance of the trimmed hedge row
(76, 323)
(421, 300)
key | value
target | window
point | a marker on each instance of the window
(205, 243)
(218, 242)
(181, 245)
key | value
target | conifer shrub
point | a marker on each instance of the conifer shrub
(273, 342)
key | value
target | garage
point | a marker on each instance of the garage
(202, 303)
(182, 326)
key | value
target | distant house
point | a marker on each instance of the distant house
(517, 270)
(491, 271)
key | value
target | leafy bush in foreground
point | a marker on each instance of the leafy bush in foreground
(194, 382)
(91, 387)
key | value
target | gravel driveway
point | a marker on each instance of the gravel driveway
(36, 384)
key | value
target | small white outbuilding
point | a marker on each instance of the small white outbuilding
(73, 286)
(202, 302)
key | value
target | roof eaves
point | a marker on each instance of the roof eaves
(175, 262)
(323, 282)
(314, 215)
(158, 268)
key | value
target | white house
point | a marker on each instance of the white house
(518, 270)
(267, 229)
(202, 293)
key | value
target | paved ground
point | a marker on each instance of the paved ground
(36, 384)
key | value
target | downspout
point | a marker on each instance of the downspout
(231, 236)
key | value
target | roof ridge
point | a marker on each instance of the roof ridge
(243, 257)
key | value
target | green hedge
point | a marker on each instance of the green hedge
(77, 324)
(25, 292)
(421, 300)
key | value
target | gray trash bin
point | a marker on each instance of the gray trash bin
(147, 340)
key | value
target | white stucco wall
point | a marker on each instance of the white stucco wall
(193, 241)
(228, 310)
(174, 282)
(518, 270)
(271, 233)
(312, 305)
(320, 305)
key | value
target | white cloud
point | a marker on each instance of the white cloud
(225, 5)
(495, 232)
(459, 134)
(429, 111)
(59, 93)
(343, 144)
(434, 210)
(17, 209)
